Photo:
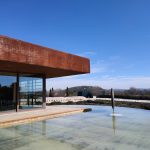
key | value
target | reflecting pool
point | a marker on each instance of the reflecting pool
(95, 130)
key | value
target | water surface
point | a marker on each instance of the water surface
(96, 130)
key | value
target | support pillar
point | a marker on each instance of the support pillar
(44, 92)
(17, 93)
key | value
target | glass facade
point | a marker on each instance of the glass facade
(7, 92)
(29, 93)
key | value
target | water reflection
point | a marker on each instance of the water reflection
(44, 127)
(94, 130)
(114, 123)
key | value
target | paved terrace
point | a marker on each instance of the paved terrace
(13, 118)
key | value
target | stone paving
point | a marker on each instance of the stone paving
(16, 118)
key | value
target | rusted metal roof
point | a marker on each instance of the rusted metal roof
(23, 57)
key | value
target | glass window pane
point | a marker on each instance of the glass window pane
(7, 92)
(30, 92)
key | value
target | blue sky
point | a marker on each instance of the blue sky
(114, 34)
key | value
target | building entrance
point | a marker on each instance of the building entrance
(19, 91)
(30, 92)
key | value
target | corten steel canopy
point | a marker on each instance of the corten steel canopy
(23, 57)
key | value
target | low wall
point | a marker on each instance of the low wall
(65, 99)
(82, 98)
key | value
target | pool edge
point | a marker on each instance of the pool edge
(31, 119)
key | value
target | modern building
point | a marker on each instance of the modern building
(24, 68)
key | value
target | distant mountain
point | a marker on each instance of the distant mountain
(77, 90)
(90, 91)
(94, 90)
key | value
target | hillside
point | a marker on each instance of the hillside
(90, 91)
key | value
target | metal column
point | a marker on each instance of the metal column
(44, 92)
(17, 93)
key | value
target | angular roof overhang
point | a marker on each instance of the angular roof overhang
(22, 57)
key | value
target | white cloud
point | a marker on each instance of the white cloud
(90, 52)
(126, 82)
(98, 70)
(119, 82)
(102, 74)
(87, 53)
(100, 66)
